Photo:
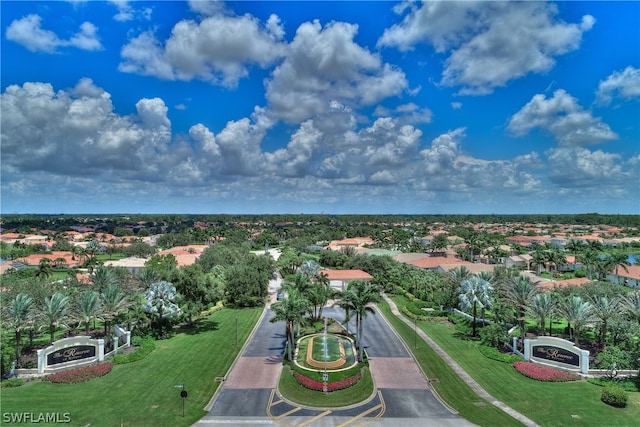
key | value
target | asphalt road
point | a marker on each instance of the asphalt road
(248, 395)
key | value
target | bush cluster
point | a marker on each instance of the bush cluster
(12, 382)
(615, 396)
(543, 373)
(629, 384)
(495, 354)
(312, 384)
(80, 375)
(144, 347)
(208, 312)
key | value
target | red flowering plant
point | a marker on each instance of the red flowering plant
(79, 375)
(332, 386)
(544, 373)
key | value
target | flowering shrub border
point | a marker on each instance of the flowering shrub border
(80, 375)
(544, 373)
(312, 384)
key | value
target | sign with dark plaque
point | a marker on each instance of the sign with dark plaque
(71, 353)
(556, 354)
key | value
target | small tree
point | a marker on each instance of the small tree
(160, 299)
(475, 292)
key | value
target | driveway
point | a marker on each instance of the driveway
(249, 396)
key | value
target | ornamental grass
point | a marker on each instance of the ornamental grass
(544, 373)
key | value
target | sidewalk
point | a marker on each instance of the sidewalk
(461, 372)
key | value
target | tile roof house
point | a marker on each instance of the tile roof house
(629, 277)
(339, 279)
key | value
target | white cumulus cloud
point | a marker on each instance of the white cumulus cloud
(624, 84)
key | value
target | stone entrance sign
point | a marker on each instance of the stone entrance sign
(70, 352)
(557, 352)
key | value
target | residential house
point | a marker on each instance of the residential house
(339, 279)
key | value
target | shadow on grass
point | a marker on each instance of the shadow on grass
(199, 326)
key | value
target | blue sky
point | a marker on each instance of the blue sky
(310, 107)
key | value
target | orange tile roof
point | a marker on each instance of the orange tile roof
(347, 275)
(434, 261)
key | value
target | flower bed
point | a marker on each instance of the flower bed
(543, 373)
(79, 375)
(332, 386)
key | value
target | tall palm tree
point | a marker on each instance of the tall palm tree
(102, 277)
(631, 303)
(543, 308)
(475, 292)
(520, 294)
(539, 260)
(453, 280)
(359, 295)
(574, 246)
(146, 276)
(54, 312)
(589, 259)
(19, 316)
(290, 310)
(577, 311)
(619, 259)
(605, 309)
(87, 308)
(318, 295)
(113, 302)
(310, 268)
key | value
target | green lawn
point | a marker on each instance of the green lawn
(447, 383)
(142, 393)
(549, 404)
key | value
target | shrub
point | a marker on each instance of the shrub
(208, 312)
(543, 373)
(79, 375)
(629, 384)
(494, 334)
(495, 354)
(615, 396)
(312, 384)
(13, 382)
(144, 347)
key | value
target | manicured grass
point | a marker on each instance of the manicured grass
(549, 404)
(291, 390)
(449, 386)
(142, 393)
(538, 400)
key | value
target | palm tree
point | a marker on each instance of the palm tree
(160, 299)
(556, 258)
(574, 246)
(146, 276)
(318, 295)
(619, 259)
(113, 302)
(19, 316)
(539, 260)
(589, 259)
(55, 311)
(359, 295)
(475, 292)
(310, 268)
(87, 308)
(290, 309)
(102, 277)
(605, 309)
(44, 268)
(576, 311)
(631, 303)
(520, 293)
(453, 280)
(543, 308)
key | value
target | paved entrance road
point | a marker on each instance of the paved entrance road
(403, 398)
